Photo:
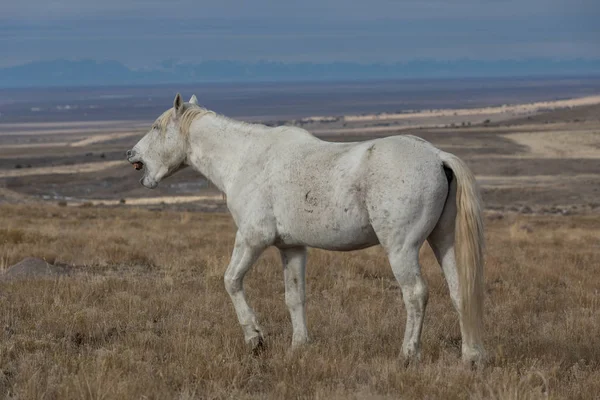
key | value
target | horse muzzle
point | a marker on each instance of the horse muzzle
(131, 157)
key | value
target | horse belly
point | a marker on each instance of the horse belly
(338, 229)
(345, 240)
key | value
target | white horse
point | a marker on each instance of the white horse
(289, 189)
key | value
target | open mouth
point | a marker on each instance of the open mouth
(138, 165)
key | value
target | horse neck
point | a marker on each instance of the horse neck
(218, 147)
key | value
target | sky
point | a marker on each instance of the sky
(145, 33)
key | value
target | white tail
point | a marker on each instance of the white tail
(469, 246)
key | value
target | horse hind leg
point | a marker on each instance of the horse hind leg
(442, 242)
(404, 261)
(402, 236)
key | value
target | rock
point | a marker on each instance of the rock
(35, 268)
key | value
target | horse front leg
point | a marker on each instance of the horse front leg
(242, 259)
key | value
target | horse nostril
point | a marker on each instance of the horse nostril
(129, 153)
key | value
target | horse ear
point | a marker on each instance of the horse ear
(178, 105)
(193, 100)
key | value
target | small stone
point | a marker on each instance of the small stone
(35, 268)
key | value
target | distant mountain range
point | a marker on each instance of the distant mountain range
(101, 73)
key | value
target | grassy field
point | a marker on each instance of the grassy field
(144, 314)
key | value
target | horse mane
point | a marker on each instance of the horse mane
(190, 113)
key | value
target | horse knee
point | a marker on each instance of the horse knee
(420, 292)
(232, 285)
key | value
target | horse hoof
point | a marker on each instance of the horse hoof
(256, 345)
(474, 365)
(474, 360)
(412, 360)
(299, 343)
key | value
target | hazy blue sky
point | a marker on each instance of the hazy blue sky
(142, 33)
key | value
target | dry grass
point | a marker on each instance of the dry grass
(147, 316)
